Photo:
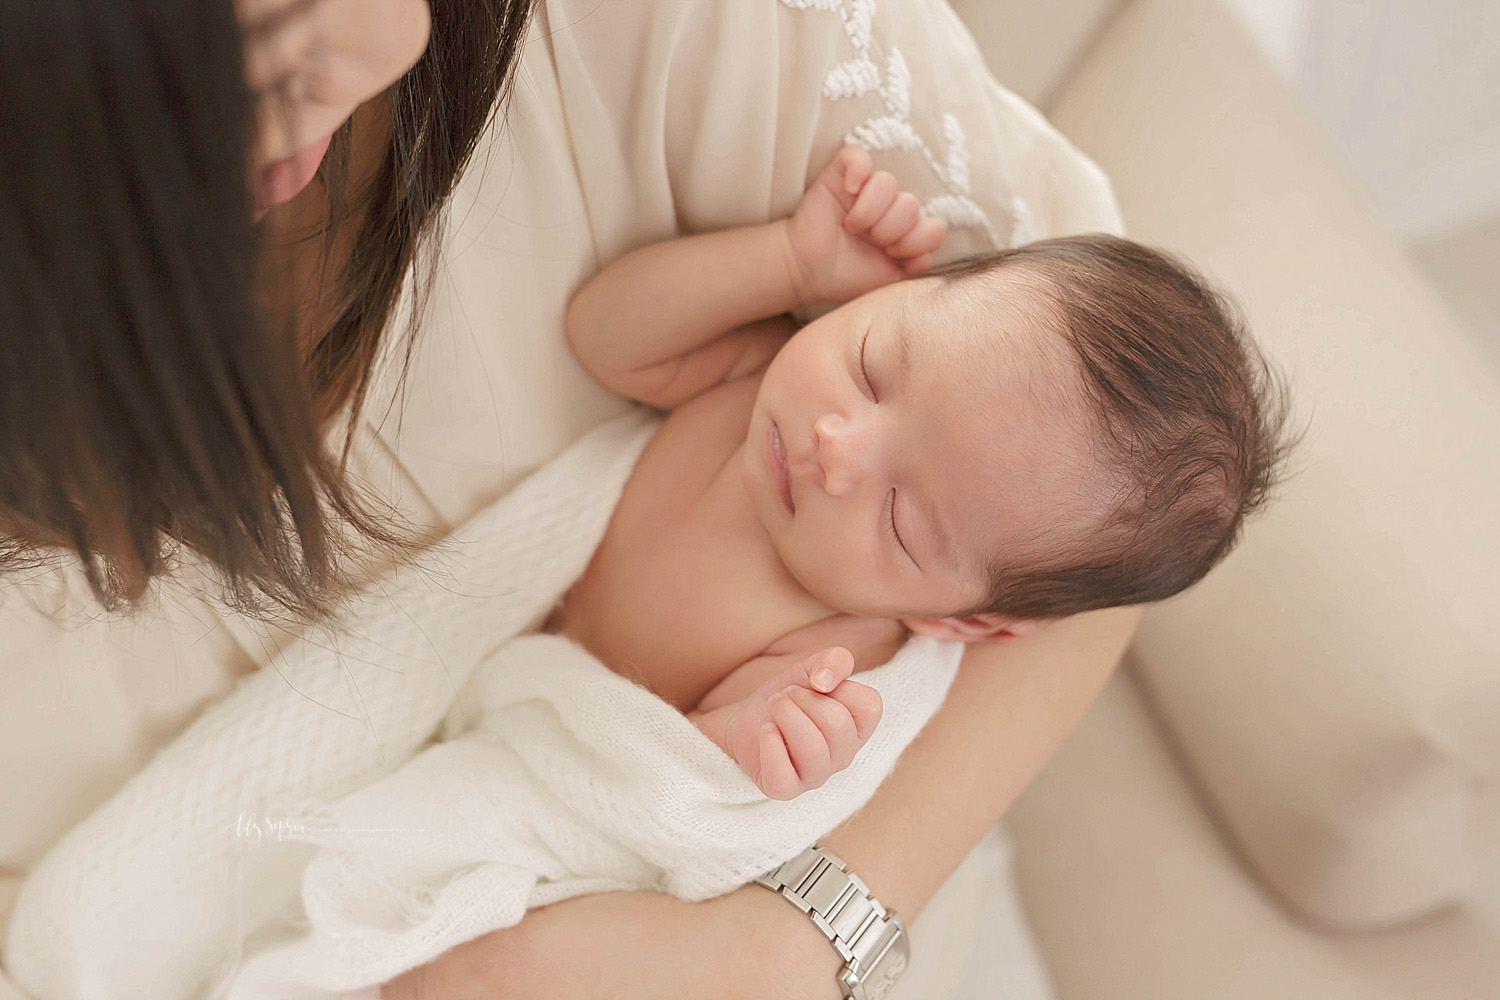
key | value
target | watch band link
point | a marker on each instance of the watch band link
(871, 939)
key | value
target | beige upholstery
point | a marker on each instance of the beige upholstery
(1334, 686)
(1133, 894)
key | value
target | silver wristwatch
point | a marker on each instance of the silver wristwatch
(871, 938)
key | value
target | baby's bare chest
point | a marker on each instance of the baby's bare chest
(686, 585)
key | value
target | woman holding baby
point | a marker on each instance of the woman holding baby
(217, 224)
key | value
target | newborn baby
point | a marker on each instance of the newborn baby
(1017, 437)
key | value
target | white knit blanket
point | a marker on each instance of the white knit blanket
(559, 778)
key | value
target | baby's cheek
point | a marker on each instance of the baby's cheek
(844, 575)
(816, 567)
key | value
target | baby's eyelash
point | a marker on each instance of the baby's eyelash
(864, 372)
(890, 522)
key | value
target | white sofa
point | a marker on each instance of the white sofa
(1293, 788)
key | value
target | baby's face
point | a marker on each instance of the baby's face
(904, 443)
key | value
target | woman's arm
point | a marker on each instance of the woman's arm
(1009, 709)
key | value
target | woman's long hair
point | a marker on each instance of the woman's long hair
(145, 400)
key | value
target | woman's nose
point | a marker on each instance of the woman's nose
(845, 453)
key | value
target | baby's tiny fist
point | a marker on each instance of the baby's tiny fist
(803, 725)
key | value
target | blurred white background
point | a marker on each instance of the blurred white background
(1409, 92)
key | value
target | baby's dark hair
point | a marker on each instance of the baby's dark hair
(1191, 422)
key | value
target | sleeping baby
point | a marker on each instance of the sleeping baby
(965, 454)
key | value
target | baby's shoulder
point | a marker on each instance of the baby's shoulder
(696, 438)
(723, 411)
(873, 641)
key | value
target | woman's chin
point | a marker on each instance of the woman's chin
(281, 181)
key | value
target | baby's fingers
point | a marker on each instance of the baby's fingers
(863, 704)
(822, 671)
(834, 721)
(851, 168)
(897, 221)
(805, 742)
(777, 777)
(923, 238)
(873, 201)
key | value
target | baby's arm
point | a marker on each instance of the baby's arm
(801, 721)
(671, 320)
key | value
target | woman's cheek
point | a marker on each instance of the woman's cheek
(384, 47)
(363, 52)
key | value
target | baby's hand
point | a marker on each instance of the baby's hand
(803, 725)
(856, 230)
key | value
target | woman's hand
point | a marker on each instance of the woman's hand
(748, 945)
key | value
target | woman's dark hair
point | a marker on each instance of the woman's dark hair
(146, 402)
(1191, 420)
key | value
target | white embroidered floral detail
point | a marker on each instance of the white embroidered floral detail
(850, 79)
(893, 129)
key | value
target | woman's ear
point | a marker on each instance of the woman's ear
(972, 628)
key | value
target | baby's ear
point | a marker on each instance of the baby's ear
(972, 628)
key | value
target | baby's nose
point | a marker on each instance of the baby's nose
(844, 453)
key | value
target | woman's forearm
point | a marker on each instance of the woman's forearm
(1010, 707)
